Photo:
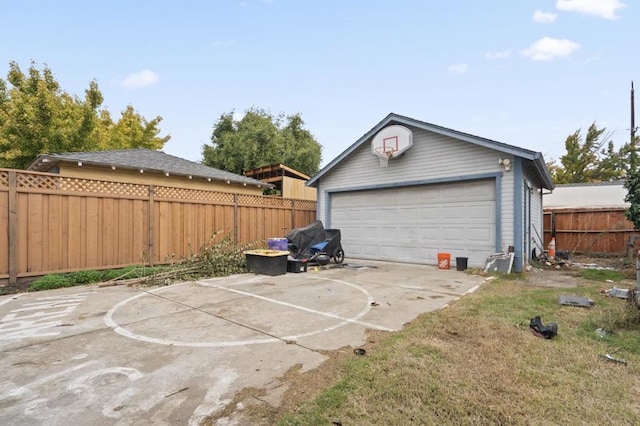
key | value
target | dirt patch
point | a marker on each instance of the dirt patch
(563, 278)
(565, 274)
(254, 406)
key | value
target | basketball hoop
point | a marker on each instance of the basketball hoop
(384, 153)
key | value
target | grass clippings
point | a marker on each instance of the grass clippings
(477, 362)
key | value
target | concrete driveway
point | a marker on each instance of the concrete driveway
(178, 354)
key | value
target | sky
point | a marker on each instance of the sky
(523, 72)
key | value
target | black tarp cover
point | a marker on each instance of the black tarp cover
(302, 239)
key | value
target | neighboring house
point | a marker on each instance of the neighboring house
(442, 191)
(146, 166)
(289, 183)
(587, 196)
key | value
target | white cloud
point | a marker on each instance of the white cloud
(140, 79)
(547, 48)
(502, 54)
(458, 68)
(544, 17)
(602, 8)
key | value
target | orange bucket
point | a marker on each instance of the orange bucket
(444, 260)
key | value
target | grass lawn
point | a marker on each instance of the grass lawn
(476, 362)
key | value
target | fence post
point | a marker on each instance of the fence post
(235, 219)
(293, 214)
(151, 229)
(13, 228)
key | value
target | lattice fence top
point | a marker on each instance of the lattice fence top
(4, 179)
(193, 194)
(34, 181)
(26, 180)
(260, 200)
(103, 187)
(305, 205)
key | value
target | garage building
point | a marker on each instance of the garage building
(408, 190)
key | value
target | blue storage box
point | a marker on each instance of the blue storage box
(278, 244)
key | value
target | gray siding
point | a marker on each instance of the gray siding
(432, 156)
(536, 219)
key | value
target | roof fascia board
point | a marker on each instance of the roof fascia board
(543, 171)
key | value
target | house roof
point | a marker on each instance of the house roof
(142, 159)
(587, 195)
(533, 161)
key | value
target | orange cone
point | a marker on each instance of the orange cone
(552, 248)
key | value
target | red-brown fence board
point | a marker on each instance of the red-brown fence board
(592, 231)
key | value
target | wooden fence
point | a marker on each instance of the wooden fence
(51, 223)
(590, 231)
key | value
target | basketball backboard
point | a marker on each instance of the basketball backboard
(392, 140)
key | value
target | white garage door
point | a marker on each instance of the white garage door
(414, 224)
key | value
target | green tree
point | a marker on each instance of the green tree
(37, 117)
(632, 185)
(588, 159)
(259, 139)
(131, 131)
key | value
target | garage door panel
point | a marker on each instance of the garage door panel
(454, 193)
(481, 212)
(427, 234)
(413, 224)
(406, 234)
(479, 192)
(455, 211)
(406, 252)
(354, 214)
(409, 214)
(370, 232)
(383, 215)
(387, 234)
(427, 213)
(482, 234)
(371, 250)
(453, 234)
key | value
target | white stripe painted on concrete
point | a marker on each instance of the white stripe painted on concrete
(24, 389)
(123, 331)
(302, 308)
(9, 299)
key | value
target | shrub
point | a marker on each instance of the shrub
(84, 277)
(49, 282)
(112, 274)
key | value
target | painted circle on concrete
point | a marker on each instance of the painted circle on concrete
(122, 330)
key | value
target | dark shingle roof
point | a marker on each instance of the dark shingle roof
(146, 159)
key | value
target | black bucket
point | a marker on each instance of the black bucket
(461, 263)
